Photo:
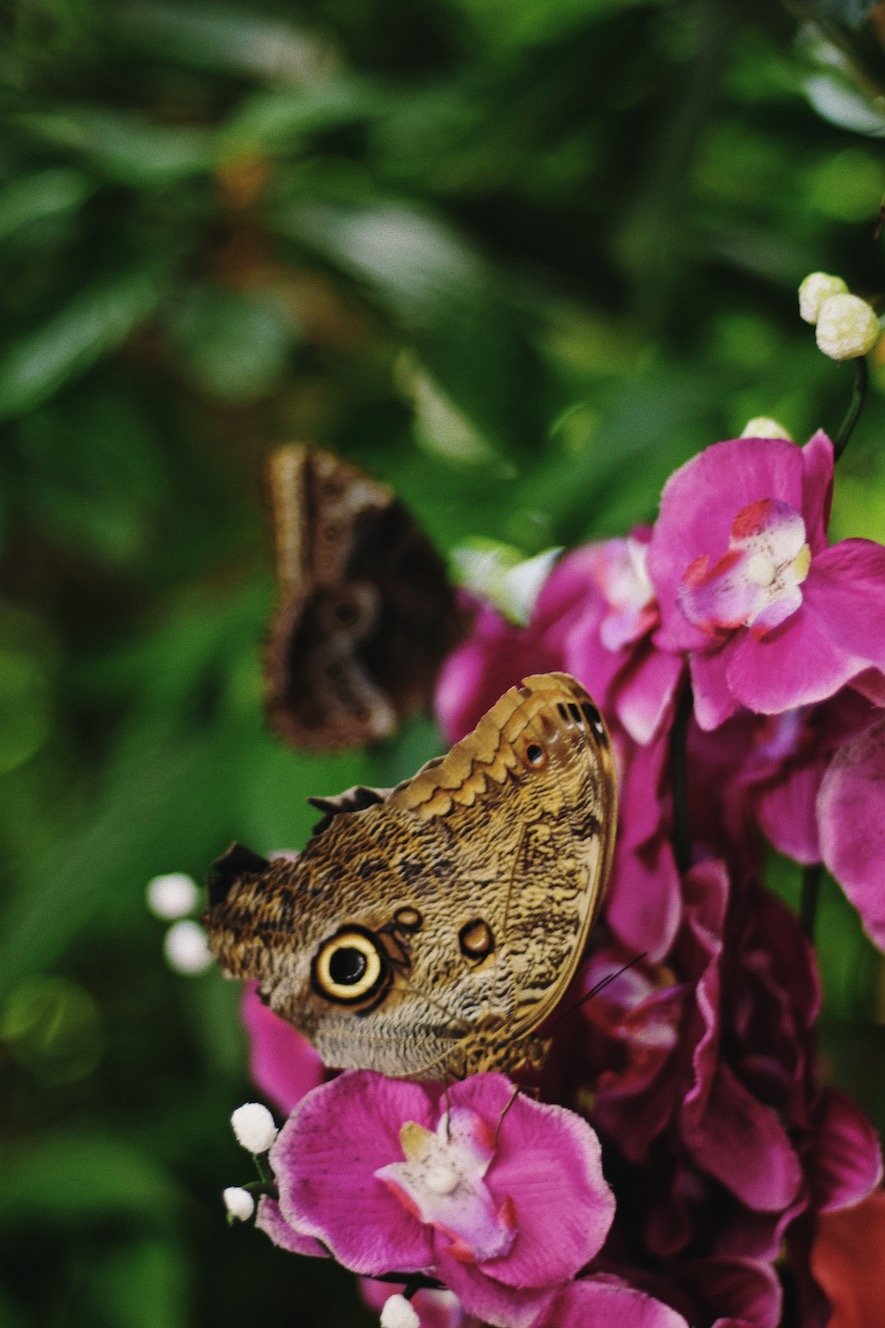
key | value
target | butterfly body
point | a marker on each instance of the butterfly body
(432, 929)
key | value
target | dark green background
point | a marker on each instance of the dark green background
(519, 257)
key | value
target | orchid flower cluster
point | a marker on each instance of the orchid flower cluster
(682, 1150)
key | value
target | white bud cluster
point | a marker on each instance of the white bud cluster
(399, 1313)
(172, 896)
(186, 948)
(239, 1203)
(817, 287)
(254, 1127)
(846, 326)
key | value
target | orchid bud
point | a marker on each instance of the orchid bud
(847, 327)
(399, 1313)
(762, 426)
(817, 287)
(171, 896)
(254, 1127)
(186, 949)
(239, 1203)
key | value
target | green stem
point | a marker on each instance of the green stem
(679, 777)
(855, 406)
(811, 881)
(265, 1175)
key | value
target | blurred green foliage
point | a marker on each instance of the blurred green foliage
(519, 257)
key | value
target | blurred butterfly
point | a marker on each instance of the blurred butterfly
(365, 611)
(429, 930)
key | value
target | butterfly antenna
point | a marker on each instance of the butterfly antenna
(513, 1096)
(597, 988)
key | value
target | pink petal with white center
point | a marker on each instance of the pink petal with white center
(719, 597)
(777, 611)
(270, 1220)
(600, 1302)
(325, 1159)
(441, 1182)
(548, 1164)
(769, 529)
(848, 1156)
(852, 825)
(698, 506)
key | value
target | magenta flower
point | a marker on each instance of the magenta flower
(502, 1198)
(594, 618)
(772, 617)
(702, 1070)
(852, 825)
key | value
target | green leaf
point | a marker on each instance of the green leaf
(129, 150)
(41, 196)
(94, 322)
(232, 345)
(279, 120)
(228, 40)
(439, 293)
(838, 89)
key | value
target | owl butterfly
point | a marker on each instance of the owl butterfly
(365, 611)
(429, 930)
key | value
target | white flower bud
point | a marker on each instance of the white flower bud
(399, 1313)
(762, 426)
(817, 287)
(172, 896)
(847, 327)
(238, 1202)
(254, 1127)
(186, 949)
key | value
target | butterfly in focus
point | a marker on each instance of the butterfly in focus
(365, 612)
(429, 930)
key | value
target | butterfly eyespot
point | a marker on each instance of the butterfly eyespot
(534, 755)
(349, 967)
(408, 919)
(475, 939)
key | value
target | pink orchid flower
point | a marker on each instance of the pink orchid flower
(501, 1198)
(771, 616)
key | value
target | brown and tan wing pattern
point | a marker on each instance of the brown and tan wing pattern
(430, 931)
(365, 611)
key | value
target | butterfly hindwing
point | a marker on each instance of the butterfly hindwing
(365, 611)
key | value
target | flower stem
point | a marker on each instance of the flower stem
(855, 406)
(679, 776)
(265, 1175)
(811, 879)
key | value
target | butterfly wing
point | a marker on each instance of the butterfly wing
(365, 613)
(429, 929)
(532, 794)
